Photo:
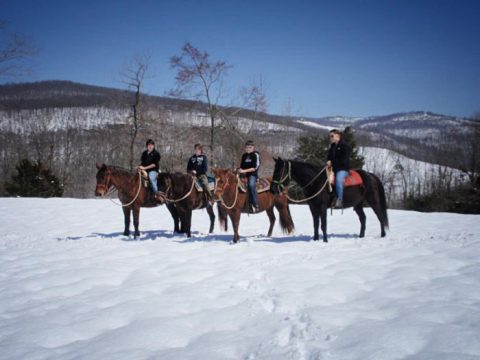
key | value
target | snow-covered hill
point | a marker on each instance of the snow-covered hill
(73, 288)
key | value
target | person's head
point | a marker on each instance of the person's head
(335, 136)
(198, 149)
(150, 145)
(249, 146)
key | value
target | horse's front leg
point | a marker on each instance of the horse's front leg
(323, 216)
(316, 222)
(271, 217)
(126, 215)
(235, 218)
(188, 221)
(211, 215)
(175, 217)
(136, 220)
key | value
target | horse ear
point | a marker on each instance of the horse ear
(99, 166)
(274, 158)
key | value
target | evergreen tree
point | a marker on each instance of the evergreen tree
(356, 161)
(33, 180)
(314, 149)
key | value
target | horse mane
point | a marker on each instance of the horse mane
(122, 170)
(312, 169)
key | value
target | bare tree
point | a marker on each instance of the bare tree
(134, 77)
(200, 78)
(14, 48)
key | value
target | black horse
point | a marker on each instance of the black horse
(178, 191)
(313, 181)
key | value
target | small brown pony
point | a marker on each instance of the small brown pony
(233, 201)
(132, 194)
(179, 192)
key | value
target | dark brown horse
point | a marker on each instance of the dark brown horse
(179, 192)
(233, 202)
(132, 194)
(313, 180)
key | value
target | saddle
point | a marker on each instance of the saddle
(145, 178)
(211, 184)
(353, 179)
(263, 185)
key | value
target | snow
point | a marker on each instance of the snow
(72, 287)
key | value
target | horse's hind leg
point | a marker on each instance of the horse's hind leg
(271, 217)
(188, 222)
(316, 222)
(361, 216)
(235, 218)
(211, 215)
(375, 205)
(126, 215)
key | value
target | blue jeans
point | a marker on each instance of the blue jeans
(153, 180)
(339, 181)
(252, 186)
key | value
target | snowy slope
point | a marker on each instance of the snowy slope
(73, 288)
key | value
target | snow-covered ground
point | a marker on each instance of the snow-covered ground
(71, 287)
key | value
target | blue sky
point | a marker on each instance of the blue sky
(318, 58)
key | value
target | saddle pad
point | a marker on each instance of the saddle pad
(211, 184)
(262, 185)
(353, 179)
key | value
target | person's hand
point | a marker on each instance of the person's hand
(329, 163)
(194, 172)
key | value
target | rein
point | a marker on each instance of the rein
(288, 176)
(164, 194)
(134, 199)
(236, 195)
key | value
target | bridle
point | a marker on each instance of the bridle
(284, 180)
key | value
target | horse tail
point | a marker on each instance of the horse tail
(375, 195)
(383, 200)
(286, 221)
(222, 218)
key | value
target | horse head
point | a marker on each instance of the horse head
(222, 179)
(281, 175)
(104, 175)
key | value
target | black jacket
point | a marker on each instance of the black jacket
(198, 163)
(251, 160)
(339, 155)
(151, 158)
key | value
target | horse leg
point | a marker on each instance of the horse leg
(361, 216)
(271, 217)
(136, 220)
(316, 222)
(126, 215)
(375, 205)
(235, 218)
(323, 216)
(174, 213)
(188, 222)
(211, 214)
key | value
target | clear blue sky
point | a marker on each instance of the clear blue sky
(328, 57)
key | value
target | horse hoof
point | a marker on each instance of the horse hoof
(126, 233)
(361, 235)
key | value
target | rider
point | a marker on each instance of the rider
(339, 159)
(198, 166)
(249, 166)
(150, 163)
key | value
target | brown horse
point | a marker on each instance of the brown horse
(132, 194)
(233, 201)
(179, 192)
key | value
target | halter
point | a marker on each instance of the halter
(107, 185)
(280, 183)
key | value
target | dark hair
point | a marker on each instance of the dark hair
(336, 131)
(150, 141)
(249, 142)
(199, 146)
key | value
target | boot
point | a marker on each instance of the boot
(338, 204)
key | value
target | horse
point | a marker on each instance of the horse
(313, 180)
(233, 201)
(132, 194)
(179, 192)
